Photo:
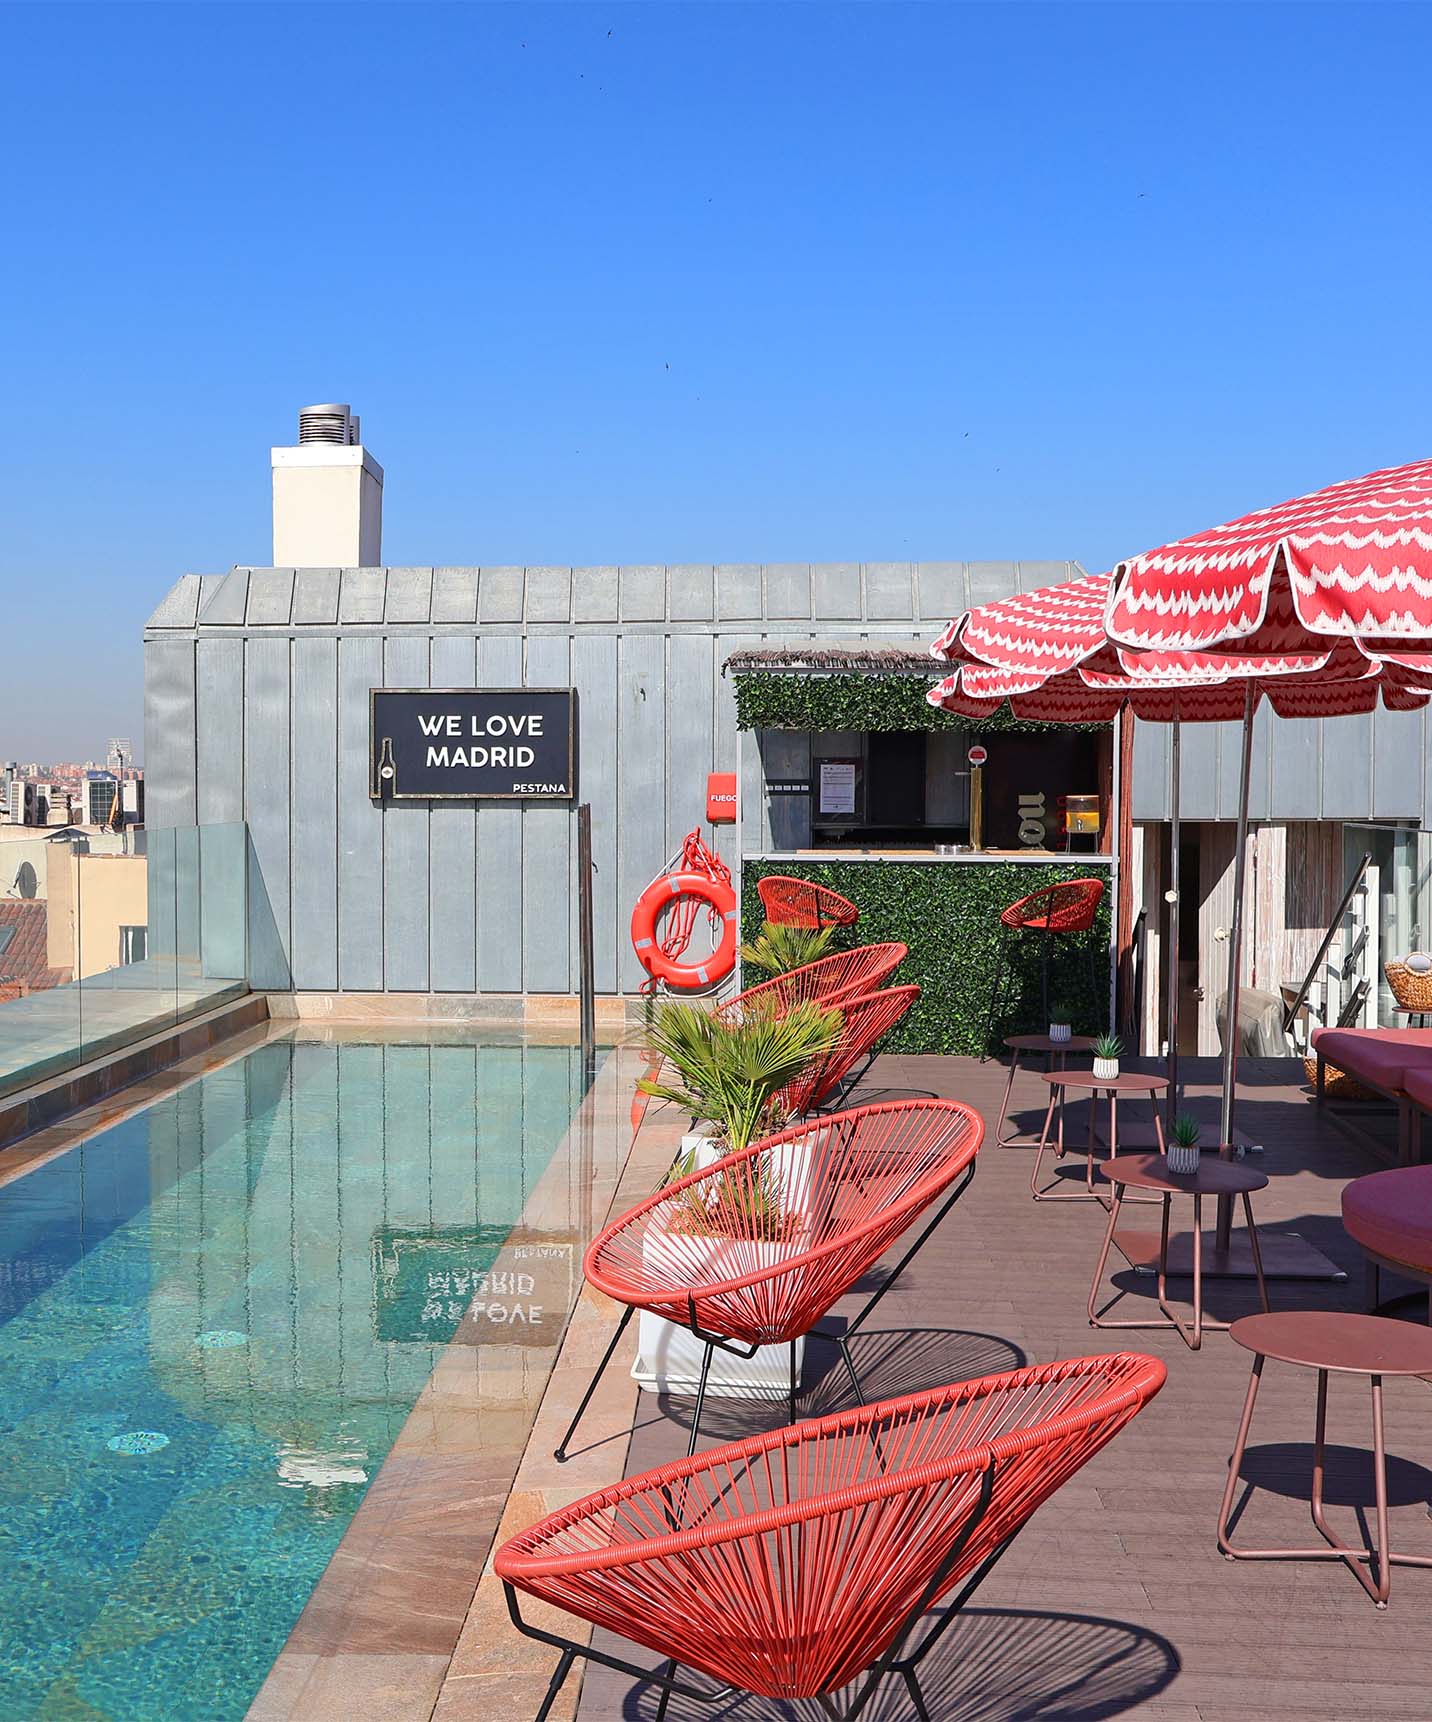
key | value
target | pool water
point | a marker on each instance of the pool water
(214, 1320)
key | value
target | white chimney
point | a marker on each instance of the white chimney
(327, 495)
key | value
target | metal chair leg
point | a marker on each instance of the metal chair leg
(563, 1669)
(560, 1455)
(795, 1385)
(700, 1399)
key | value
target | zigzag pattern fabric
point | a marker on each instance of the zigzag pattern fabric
(1044, 655)
(788, 1564)
(1352, 560)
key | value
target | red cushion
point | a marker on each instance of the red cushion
(1390, 1213)
(1381, 1056)
(1418, 1084)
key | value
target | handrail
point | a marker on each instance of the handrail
(1290, 1012)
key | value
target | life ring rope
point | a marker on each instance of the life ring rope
(694, 877)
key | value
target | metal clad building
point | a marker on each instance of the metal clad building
(256, 708)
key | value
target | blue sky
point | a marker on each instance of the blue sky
(685, 283)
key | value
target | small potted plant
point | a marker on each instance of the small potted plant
(1107, 1049)
(1060, 1022)
(1183, 1148)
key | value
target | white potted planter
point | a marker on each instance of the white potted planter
(1107, 1050)
(1060, 1032)
(669, 1355)
(1183, 1151)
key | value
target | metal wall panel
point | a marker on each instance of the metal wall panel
(267, 721)
(1347, 767)
(499, 846)
(692, 588)
(169, 720)
(409, 596)
(547, 837)
(499, 595)
(1397, 774)
(315, 596)
(360, 822)
(452, 829)
(1200, 770)
(641, 777)
(219, 730)
(889, 591)
(1230, 766)
(738, 591)
(1295, 779)
(594, 594)
(788, 590)
(1151, 753)
(270, 597)
(230, 603)
(314, 884)
(689, 743)
(594, 675)
(405, 846)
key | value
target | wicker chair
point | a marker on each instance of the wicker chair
(802, 903)
(714, 1253)
(799, 1563)
(1054, 911)
(824, 982)
(869, 1017)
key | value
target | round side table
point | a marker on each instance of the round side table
(1063, 1083)
(1328, 1341)
(1056, 1050)
(1213, 1178)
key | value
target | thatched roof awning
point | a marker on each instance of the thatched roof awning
(833, 660)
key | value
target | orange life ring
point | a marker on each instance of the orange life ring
(658, 896)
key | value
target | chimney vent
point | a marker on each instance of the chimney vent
(327, 495)
(330, 423)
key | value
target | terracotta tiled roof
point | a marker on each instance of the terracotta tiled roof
(23, 956)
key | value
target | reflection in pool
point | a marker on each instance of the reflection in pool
(214, 1319)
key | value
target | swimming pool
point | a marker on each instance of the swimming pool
(214, 1319)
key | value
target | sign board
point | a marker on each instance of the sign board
(978, 755)
(503, 744)
(471, 1285)
(721, 798)
(837, 787)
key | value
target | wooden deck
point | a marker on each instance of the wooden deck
(1115, 1600)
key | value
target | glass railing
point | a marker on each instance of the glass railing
(111, 936)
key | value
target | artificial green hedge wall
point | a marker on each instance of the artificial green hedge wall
(948, 914)
(783, 700)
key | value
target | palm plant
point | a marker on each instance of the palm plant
(731, 1072)
(779, 947)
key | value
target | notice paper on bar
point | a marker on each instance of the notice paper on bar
(837, 786)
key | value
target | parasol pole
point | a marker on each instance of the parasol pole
(1171, 897)
(1235, 962)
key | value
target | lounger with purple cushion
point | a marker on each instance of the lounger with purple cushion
(1389, 1214)
(1382, 1059)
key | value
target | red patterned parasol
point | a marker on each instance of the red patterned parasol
(1353, 561)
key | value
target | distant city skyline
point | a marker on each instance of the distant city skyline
(659, 284)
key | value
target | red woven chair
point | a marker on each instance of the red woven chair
(802, 903)
(709, 1252)
(869, 1017)
(790, 1565)
(824, 982)
(1054, 911)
